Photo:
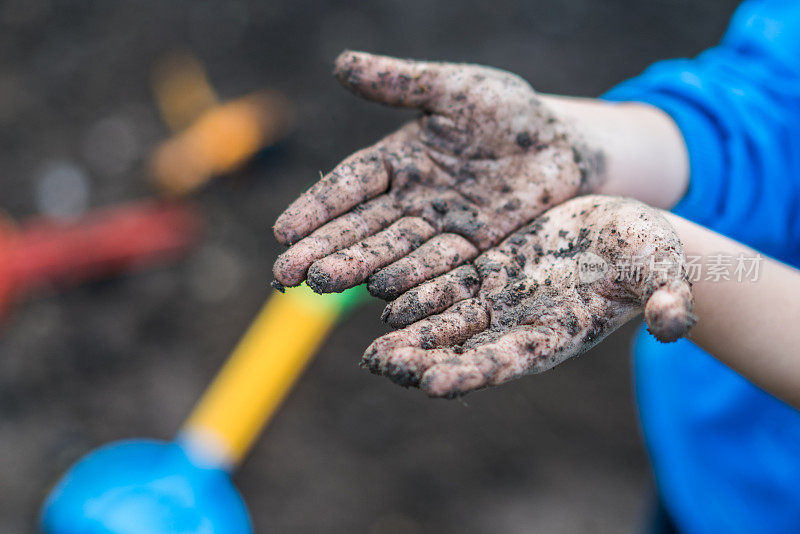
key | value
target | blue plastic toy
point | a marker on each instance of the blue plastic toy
(184, 487)
(145, 487)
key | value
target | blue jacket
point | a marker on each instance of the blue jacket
(726, 455)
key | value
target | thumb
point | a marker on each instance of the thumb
(668, 311)
(392, 81)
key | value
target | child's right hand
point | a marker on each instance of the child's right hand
(549, 292)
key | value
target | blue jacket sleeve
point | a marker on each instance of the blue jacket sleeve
(738, 108)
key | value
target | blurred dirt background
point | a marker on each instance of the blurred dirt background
(348, 452)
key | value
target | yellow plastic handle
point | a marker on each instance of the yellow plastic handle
(258, 375)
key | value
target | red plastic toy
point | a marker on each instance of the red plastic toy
(45, 252)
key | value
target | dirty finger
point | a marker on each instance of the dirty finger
(360, 177)
(362, 221)
(436, 256)
(433, 296)
(393, 81)
(353, 265)
(404, 355)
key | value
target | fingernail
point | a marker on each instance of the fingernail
(278, 286)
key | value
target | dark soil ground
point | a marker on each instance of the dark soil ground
(349, 452)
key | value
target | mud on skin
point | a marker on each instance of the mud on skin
(484, 157)
(522, 307)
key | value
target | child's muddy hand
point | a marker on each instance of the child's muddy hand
(484, 158)
(550, 291)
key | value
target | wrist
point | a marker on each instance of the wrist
(641, 147)
(700, 241)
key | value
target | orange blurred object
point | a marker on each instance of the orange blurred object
(219, 141)
(102, 243)
(182, 89)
